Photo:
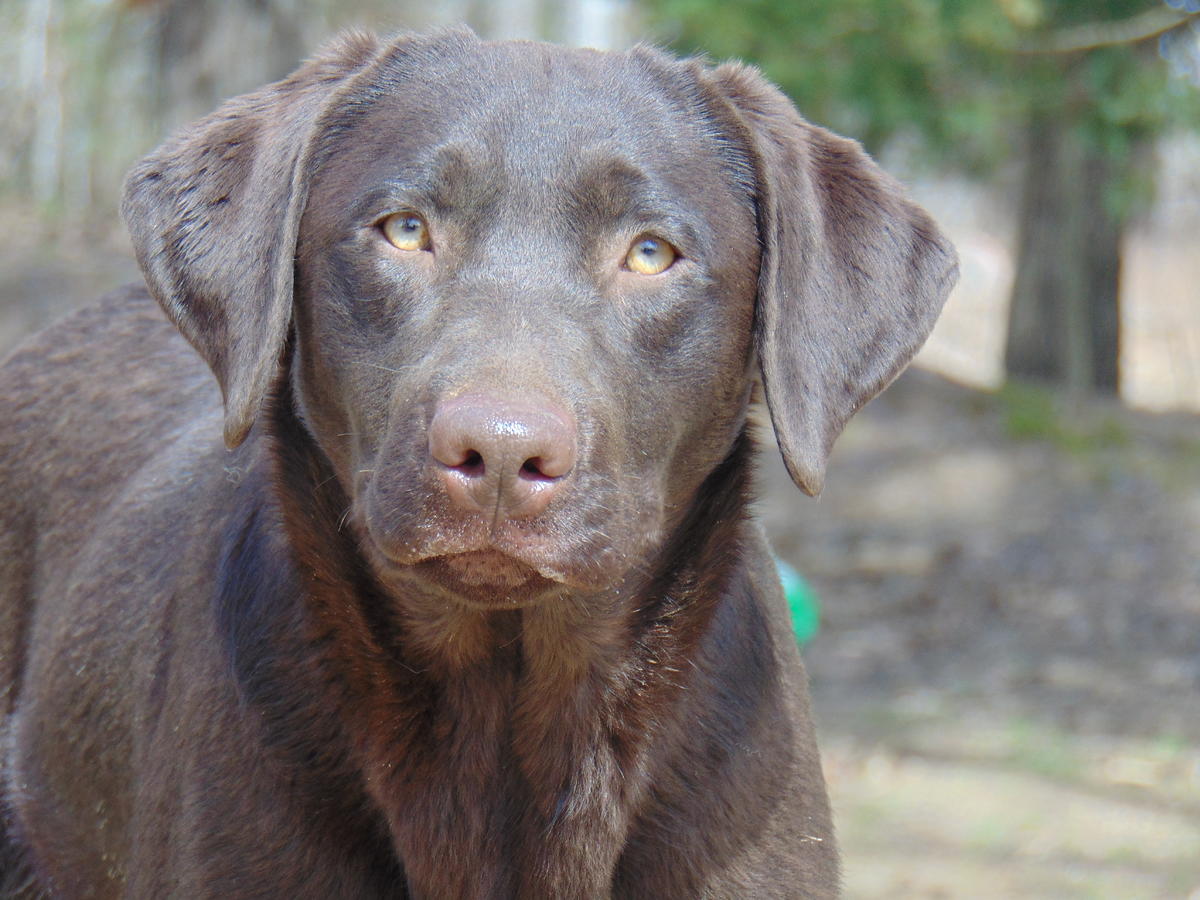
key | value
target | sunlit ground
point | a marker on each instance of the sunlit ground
(949, 807)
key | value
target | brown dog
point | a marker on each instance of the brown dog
(471, 607)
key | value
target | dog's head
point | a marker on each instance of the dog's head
(530, 289)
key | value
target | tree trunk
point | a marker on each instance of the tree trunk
(209, 51)
(1064, 316)
(1102, 264)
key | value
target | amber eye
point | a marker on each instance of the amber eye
(650, 255)
(406, 231)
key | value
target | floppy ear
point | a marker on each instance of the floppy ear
(214, 212)
(852, 276)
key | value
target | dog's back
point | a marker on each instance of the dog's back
(87, 405)
(103, 414)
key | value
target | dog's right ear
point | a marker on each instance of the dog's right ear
(214, 213)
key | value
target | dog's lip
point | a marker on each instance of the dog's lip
(485, 579)
(568, 565)
(481, 554)
(480, 567)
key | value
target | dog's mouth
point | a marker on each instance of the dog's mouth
(484, 568)
(482, 564)
(485, 578)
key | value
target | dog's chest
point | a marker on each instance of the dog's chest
(526, 790)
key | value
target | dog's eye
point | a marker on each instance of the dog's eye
(650, 255)
(406, 231)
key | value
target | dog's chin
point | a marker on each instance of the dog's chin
(480, 579)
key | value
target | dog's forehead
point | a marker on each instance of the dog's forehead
(536, 109)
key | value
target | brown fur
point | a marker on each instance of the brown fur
(246, 672)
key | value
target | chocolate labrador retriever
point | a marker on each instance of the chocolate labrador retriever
(451, 592)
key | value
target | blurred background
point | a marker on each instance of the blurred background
(1007, 552)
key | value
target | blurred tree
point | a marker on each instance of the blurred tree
(1069, 85)
(204, 52)
(94, 83)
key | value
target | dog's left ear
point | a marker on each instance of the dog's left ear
(852, 277)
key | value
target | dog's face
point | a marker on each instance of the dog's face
(530, 288)
(487, 236)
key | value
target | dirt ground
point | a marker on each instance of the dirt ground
(1007, 674)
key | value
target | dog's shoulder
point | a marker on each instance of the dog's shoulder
(108, 382)
(100, 414)
(124, 333)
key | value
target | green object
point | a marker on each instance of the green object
(802, 601)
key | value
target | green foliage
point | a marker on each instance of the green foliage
(961, 75)
(1030, 411)
(1035, 412)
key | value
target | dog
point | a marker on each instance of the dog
(445, 585)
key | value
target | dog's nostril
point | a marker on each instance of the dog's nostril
(534, 470)
(472, 464)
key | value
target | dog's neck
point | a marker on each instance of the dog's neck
(432, 706)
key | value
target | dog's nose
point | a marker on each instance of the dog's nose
(505, 458)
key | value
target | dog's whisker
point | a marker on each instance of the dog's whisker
(396, 370)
